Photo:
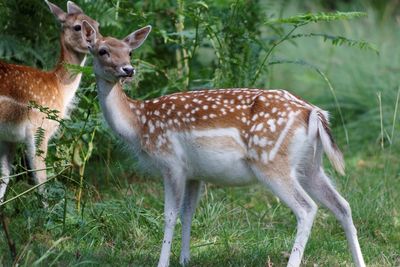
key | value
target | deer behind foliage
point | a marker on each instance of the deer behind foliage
(20, 85)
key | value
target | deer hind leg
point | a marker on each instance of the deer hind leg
(7, 151)
(320, 188)
(174, 188)
(286, 186)
(190, 200)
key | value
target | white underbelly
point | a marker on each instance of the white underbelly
(221, 167)
(217, 156)
(11, 132)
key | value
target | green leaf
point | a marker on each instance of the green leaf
(200, 4)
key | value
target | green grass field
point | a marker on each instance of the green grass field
(121, 224)
(120, 220)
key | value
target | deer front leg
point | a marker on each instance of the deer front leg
(37, 153)
(7, 151)
(192, 193)
(174, 185)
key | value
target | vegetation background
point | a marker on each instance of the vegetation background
(104, 212)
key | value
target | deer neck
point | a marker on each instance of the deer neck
(117, 109)
(68, 80)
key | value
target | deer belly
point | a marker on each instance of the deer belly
(219, 156)
(12, 132)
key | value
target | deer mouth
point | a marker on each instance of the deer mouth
(125, 78)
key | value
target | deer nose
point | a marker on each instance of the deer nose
(128, 70)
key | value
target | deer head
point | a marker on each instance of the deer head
(112, 56)
(71, 22)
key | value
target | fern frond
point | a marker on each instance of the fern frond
(12, 48)
(105, 11)
(39, 137)
(339, 40)
(316, 17)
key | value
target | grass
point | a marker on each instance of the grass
(120, 222)
(122, 225)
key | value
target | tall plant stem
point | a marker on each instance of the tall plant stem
(5, 222)
(34, 187)
(82, 168)
(193, 52)
(182, 54)
(258, 72)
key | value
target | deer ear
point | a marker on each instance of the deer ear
(57, 12)
(73, 8)
(88, 34)
(136, 39)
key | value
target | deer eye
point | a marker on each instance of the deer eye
(77, 28)
(103, 52)
(130, 53)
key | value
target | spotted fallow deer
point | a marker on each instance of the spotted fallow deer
(226, 136)
(19, 85)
